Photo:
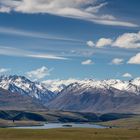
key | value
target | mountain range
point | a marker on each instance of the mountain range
(99, 96)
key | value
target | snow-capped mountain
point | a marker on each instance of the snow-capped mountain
(47, 89)
(57, 85)
(23, 86)
(99, 96)
(78, 95)
(129, 86)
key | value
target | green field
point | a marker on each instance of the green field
(70, 134)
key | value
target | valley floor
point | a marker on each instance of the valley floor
(131, 123)
(124, 128)
(9, 123)
(70, 134)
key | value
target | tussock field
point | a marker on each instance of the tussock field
(131, 123)
(70, 134)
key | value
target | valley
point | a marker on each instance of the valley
(33, 118)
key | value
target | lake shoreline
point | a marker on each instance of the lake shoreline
(61, 125)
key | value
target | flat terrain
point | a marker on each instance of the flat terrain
(133, 122)
(9, 123)
(70, 134)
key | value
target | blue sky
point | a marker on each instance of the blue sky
(60, 39)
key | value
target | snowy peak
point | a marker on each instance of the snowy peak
(22, 85)
(136, 81)
(58, 85)
(128, 86)
(76, 95)
(47, 90)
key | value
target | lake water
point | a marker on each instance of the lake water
(63, 125)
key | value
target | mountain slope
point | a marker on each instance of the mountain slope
(23, 86)
(97, 97)
(15, 101)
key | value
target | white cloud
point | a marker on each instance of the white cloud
(4, 70)
(80, 9)
(135, 59)
(117, 61)
(127, 75)
(4, 9)
(103, 42)
(115, 23)
(90, 44)
(39, 73)
(128, 40)
(87, 62)
(46, 56)
(10, 51)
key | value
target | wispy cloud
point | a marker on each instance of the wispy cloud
(80, 9)
(47, 56)
(10, 51)
(13, 31)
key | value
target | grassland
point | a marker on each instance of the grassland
(127, 128)
(9, 123)
(70, 134)
(131, 123)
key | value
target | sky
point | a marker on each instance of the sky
(61, 39)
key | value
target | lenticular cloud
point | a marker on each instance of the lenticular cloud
(88, 10)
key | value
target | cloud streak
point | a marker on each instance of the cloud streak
(88, 10)
(13, 31)
(9, 51)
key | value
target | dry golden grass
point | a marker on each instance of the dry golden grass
(70, 134)
(133, 123)
(8, 123)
